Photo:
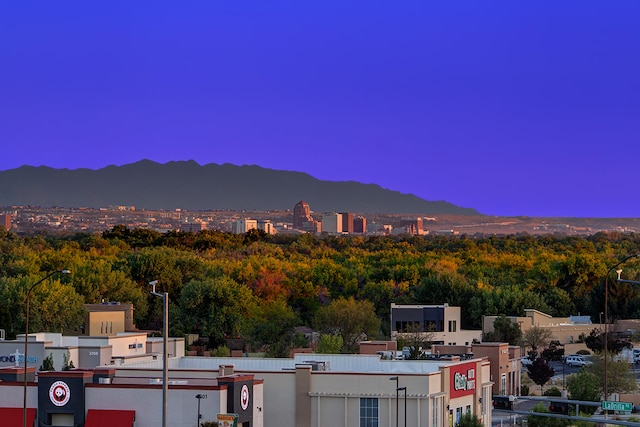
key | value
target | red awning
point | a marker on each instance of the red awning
(109, 418)
(12, 417)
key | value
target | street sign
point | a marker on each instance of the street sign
(608, 405)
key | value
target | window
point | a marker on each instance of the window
(435, 412)
(368, 412)
(453, 326)
(458, 414)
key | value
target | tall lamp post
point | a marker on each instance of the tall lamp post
(199, 397)
(606, 319)
(165, 339)
(26, 341)
(404, 389)
(397, 379)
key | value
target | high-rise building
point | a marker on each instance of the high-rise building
(267, 226)
(241, 226)
(302, 219)
(332, 223)
(5, 221)
(347, 222)
(360, 225)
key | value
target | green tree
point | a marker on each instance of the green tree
(504, 330)
(620, 379)
(353, 320)
(469, 420)
(67, 363)
(47, 363)
(274, 333)
(329, 344)
(585, 385)
(217, 308)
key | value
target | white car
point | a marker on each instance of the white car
(576, 360)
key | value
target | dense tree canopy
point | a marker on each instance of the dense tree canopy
(223, 284)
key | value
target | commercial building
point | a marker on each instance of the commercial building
(347, 222)
(108, 318)
(87, 351)
(440, 323)
(312, 390)
(566, 330)
(332, 223)
(241, 226)
(504, 360)
(360, 225)
(5, 221)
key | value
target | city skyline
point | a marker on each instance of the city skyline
(510, 109)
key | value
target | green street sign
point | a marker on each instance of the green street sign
(608, 405)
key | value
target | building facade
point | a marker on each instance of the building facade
(309, 390)
(302, 219)
(332, 223)
(241, 226)
(442, 323)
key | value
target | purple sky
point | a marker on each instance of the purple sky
(509, 107)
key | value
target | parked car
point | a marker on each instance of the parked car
(526, 361)
(576, 360)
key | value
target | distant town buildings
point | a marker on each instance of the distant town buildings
(35, 219)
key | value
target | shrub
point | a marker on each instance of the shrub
(583, 352)
(221, 351)
(552, 391)
(524, 390)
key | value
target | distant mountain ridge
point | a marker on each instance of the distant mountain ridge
(190, 186)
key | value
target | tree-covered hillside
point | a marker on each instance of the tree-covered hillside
(260, 287)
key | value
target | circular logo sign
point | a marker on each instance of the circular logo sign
(244, 397)
(59, 393)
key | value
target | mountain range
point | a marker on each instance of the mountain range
(191, 186)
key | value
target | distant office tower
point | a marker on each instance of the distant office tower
(302, 219)
(241, 226)
(5, 221)
(411, 226)
(360, 225)
(347, 222)
(193, 227)
(332, 223)
(267, 226)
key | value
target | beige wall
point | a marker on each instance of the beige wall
(561, 328)
(104, 323)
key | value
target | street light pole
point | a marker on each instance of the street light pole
(405, 403)
(606, 319)
(26, 342)
(199, 397)
(165, 339)
(397, 379)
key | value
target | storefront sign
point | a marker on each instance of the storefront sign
(463, 379)
(17, 358)
(59, 393)
(228, 420)
(244, 397)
